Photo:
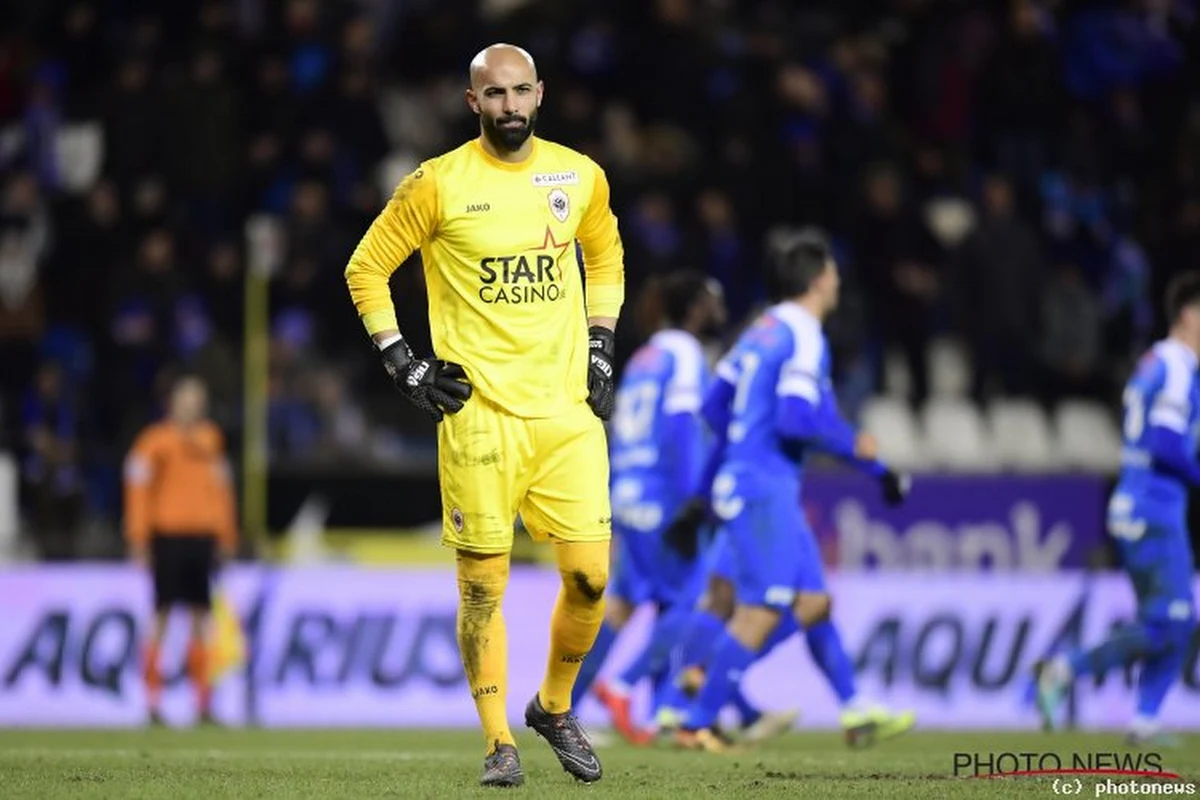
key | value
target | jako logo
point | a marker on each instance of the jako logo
(1017, 543)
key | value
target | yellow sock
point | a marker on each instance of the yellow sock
(576, 619)
(482, 641)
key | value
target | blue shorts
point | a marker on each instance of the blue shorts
(1159, 563)
(645, 571)
(775, 553)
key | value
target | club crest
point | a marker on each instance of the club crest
(560, 204)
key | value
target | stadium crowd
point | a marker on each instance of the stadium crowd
(1022, 176)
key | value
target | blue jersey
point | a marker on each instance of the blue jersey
(1161, 419)
(773, 403)
(656, 434)
(774, 398)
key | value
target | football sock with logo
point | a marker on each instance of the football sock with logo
(483, 642)
(656, 654)
(576, 619)
(825, 644)
(729, 660)
(593, 663)
(1160, 670)
(1123, 646)
(197, 670)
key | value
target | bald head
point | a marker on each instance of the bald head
(505, 93)
(504, 59)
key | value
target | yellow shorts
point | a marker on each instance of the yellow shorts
(552, 471)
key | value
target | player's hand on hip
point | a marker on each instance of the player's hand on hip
(432, 385)
(896, 486)
(601, 391)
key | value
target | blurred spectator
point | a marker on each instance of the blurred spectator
(141, 313)
(721, 251)
(1071, 338)
(895, 261)
(93, 239)
(50, 470)
(25, 236)
(342, 426)
(1020, 97)
(135, 130)
(203, 151)
(1000, 275)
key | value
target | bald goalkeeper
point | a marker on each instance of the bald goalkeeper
(519, 381)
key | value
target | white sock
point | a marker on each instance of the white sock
(1060, 670)
(1143, 725)
(856, 703)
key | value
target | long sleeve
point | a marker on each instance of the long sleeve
(407, 221)
(806, 412)
(716, 414)
(603, 253)
(1170, 452)
(139, 475)
(822, 427)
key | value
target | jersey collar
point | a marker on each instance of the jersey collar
(510, 166)
(1184, 352)
(797, 314)
(675, 335)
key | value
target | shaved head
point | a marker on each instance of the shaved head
(500, 57)
(505, 94)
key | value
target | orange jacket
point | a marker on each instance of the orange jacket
(177, 483)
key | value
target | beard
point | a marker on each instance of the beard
(511, 138)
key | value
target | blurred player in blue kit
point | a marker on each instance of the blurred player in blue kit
(1147, 520)
(657, 449)
(770, 406)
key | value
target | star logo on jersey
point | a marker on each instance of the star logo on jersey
(549, 242)
(529, 277)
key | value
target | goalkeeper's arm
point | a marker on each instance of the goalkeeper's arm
(408, 220)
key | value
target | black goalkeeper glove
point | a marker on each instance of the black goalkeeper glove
(896, 486)
(683, 534)
(430, 384)
(601, 346)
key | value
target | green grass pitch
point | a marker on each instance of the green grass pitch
(214, 763)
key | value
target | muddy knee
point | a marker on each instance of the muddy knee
(588, 585)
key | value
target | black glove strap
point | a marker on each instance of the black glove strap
(602, 339)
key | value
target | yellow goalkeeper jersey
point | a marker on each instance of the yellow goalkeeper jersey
(497, 241)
